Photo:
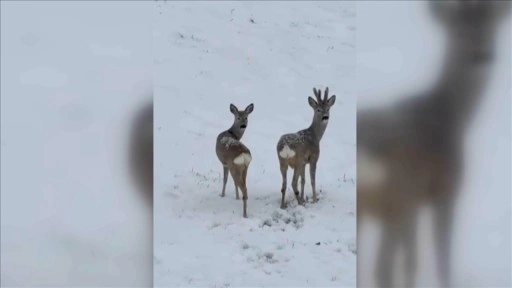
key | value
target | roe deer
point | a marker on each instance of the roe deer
(301, 148)
(141, 151)
(411, 153)
(233, 154)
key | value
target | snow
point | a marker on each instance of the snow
(72, 74)
(209, 55)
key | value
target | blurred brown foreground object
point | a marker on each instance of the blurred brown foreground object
(411, 153)
(141, 151)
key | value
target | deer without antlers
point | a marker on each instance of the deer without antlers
(141, 151)
(296, 150)
(233, 154)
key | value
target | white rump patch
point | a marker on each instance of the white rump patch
(371, 172)
(243, 159)
(286, 152)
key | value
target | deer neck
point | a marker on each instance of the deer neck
(461, 84)
(236, 132)
(317, 129)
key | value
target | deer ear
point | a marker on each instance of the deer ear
(502, 8)
(233, 109)
(331, 100)
(444, 10)
(249, 108)
(312, 102)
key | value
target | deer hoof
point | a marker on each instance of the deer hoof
(283, 206)
(222, 195)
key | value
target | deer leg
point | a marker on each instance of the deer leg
(295, 180)
(386, 254)
(443, 228)
(284, 170)
(236, 192)
(409, 242)
(244, 197)
(244, 175)
(225, 180)
(236, 184)
(243, 187)
(312, 172)
(444, 187)
(302, 181)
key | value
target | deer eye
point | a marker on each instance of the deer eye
(238, 118)
(317, 110)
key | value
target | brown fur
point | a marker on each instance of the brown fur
(306, 146)
(141, 152)
(419, 143)
(227, 154)
(228, 147)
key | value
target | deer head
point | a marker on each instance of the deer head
(321, 106)
(471, 24)
(241, 117)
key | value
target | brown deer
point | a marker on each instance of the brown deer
(141, 151)
(411, 153)
(233, 154)
(296, 150)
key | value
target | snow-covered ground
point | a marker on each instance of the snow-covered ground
(209, 55)
(73, 74)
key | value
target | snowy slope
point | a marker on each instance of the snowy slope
(209, 55)
(72, 78)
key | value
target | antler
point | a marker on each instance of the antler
(326, 94)
(318, 95)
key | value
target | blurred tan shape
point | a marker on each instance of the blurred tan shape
(141, 151)
(410, 153)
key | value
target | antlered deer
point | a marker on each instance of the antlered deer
(296, 150)
(411, 153)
